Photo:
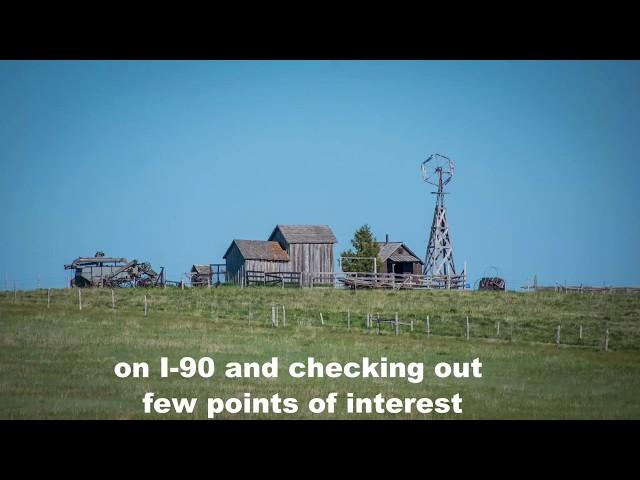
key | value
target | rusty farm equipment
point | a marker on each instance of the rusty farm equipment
(492, 283)
(111, 272)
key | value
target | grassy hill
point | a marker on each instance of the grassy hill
(57, 361)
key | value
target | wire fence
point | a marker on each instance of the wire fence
(288, 315)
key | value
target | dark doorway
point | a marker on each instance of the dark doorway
(400, 267)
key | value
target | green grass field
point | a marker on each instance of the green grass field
(57, 361)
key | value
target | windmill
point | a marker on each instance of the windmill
(439, 266)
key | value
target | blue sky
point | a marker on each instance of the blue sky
(169, 161)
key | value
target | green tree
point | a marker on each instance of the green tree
(364, 244)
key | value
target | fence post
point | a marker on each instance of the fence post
(282, 278)
(606, 341)
(397, 324)
(349, 320)
(428, 327)
(378, 321)
(15, 295)
(80, 298)
(321, 319)
(284, 317)
(498, 328)
(467, 328)
(273, 315)
(48, 297)
(368, 321)
(580, 335)
(113, 301)
(412, 325)
(558, 335)
(145, 305)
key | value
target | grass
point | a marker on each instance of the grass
(58, 362)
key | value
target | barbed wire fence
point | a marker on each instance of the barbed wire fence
(373, 318)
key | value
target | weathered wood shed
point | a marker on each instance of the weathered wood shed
(310, 247)
(200, 275)
(396, 257)
(254, 255)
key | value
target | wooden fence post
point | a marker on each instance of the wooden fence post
(15, 295)
(48, 297)
(467, 328)
(321, 319)
(145, 305)
(558, 335)
(273, 315)
(80, 298)
(606, 341)
(284, 317)
(498, 329)
(397, 324)
(428, 327)
(113, 300)
(412, 325)
(580, 334)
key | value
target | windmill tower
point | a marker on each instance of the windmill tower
(439, 266)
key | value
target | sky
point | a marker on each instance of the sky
(169, 161)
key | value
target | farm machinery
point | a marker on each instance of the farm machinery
(111, 272)
(492, 283)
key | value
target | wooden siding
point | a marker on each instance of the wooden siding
(311, 257)
(237, 266)
(307, 257)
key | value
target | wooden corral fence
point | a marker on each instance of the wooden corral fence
(399, 281)
(257, 277)
(354, 280)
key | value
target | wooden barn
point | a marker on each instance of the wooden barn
(254, 255)
(296, 249)
(396, 257)
(310, 247)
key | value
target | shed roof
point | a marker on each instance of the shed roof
(259, 250)
(201, 269)
(305, 233)
(389, 251)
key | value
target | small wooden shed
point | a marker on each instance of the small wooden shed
(396, 257)
(310, 247)
(200, 275)
(254, 255)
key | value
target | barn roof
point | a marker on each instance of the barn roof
(389, 251)
(259, 250)
(305, 233)
(201, 269)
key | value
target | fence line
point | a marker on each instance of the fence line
(573, 333)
